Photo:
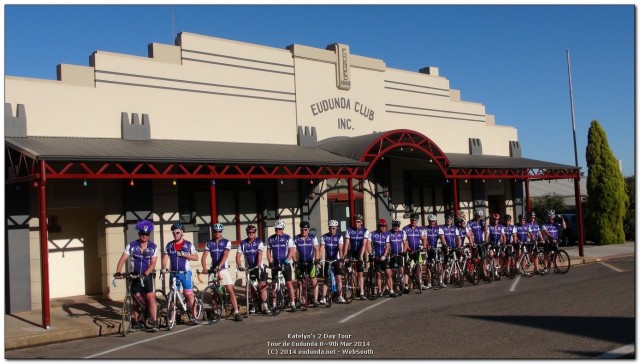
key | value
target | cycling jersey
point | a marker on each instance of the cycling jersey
(535, 229)
(551, 229)
(216, 249)
(251, 250)
(432, 235)
(279, 246)
(450, 233)
(414, 237)
(477, 227)
(495, 233)
(356, 238)
(305, 246)
(179, 263)
(396, 240)
(140, 259)
(463, 233)
(332, 245)
(379, 239)
(509, 230)
(522, 232)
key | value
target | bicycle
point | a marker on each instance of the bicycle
(538, 255)
(332, 289)
(252, 291)
(279, 290)
(436, 268)
(397, 275)
(306, 292)
(470, 266)
(415, 270)
(370, 285)
(560, 259)
(176, 297)
(349, 281)
(524, 265)
(129, 304)
(215, 298)
(454, 271)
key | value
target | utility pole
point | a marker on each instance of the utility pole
(573, 119)
(576, 180)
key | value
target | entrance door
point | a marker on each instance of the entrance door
(339, 210)
(496, 204)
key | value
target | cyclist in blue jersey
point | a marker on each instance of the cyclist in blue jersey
(280, 252)
(309, 253)
(478, 227)
(356, 242)
(510, 248)
(219, 249)
(331, 246)
(416, 245)
(251, 249)
(179, 252)
(432, 233)
(449, 236)
(494, 236)
(536, 234)
(561, 225)
(466, 235)
(523, 239)
(550, 233)
(397, 245)
(380, 249)
(142, 254)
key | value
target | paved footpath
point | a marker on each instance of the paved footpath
(84, 316)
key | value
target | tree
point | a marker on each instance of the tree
(551, 201)
(608, 200)
(630, 217)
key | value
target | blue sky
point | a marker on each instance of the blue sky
(511, 58)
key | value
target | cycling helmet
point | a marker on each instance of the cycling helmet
(460, 220)
(507, 217)
(382, 222)
(522, 216)
(144, 227)
(279, 224)
(414, 216)
(218, 227)
(478, 212)
(431, 217)
(358, 217)
(449, 216)
(495, 216)
(551, 213)
(533, 214)
(395, 222)
(333, 223)
(177, 225)
(305, 225)
(251, 228)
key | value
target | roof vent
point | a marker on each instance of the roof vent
(514, 149)
(135, 130)
(15, 126)
(475, 146)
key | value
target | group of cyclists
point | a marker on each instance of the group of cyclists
(311, 256)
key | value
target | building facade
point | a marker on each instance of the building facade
(212, 130)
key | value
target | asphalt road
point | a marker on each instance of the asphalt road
(583, 314)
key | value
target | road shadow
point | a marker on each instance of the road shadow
(619, 330)
(106, 314)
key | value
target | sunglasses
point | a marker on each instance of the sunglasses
(217, 231)
(278, 229)
(177, 232)
(143, 234)
(251, 232)
(305, 229)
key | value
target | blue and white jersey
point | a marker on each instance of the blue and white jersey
(332, 245)
(250, 250)
(379, 239)
(216, 249)
(551, 229)
(464, 231)
(495, 233)
(432, 235)
(450, 233)
(356, 238)
(140, 259)
(522, 232)
(477, 227)
(179, 263)
(535, 229)
(509, 230)
(414, 236)
(279, 246)
(396, 240)
(305, 246)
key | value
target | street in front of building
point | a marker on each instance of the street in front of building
(586, 313)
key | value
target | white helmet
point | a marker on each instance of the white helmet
(279, 224)
(431, 217)
(478, 212)
(551, 213)
(333, 223)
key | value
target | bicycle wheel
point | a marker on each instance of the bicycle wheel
(475, 273)
(458, 276)
(211, 308)
(542, 270)
(127, 309)
(417, 274)
(526, 266)
(370, 285)
(171, 310)
(329, 298)
(198, 302)
(496, 268)
(348, 287)
(398, 281)
(161, 300)
(488, 265)
(562, 262)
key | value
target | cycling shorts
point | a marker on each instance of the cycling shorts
(379, 265)
(149, 285)
(335, 266)
(395, 260)
(184, 279)
(286, 271)
(258, 275)
(306, 267)
(415, 256)
(359, 265)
